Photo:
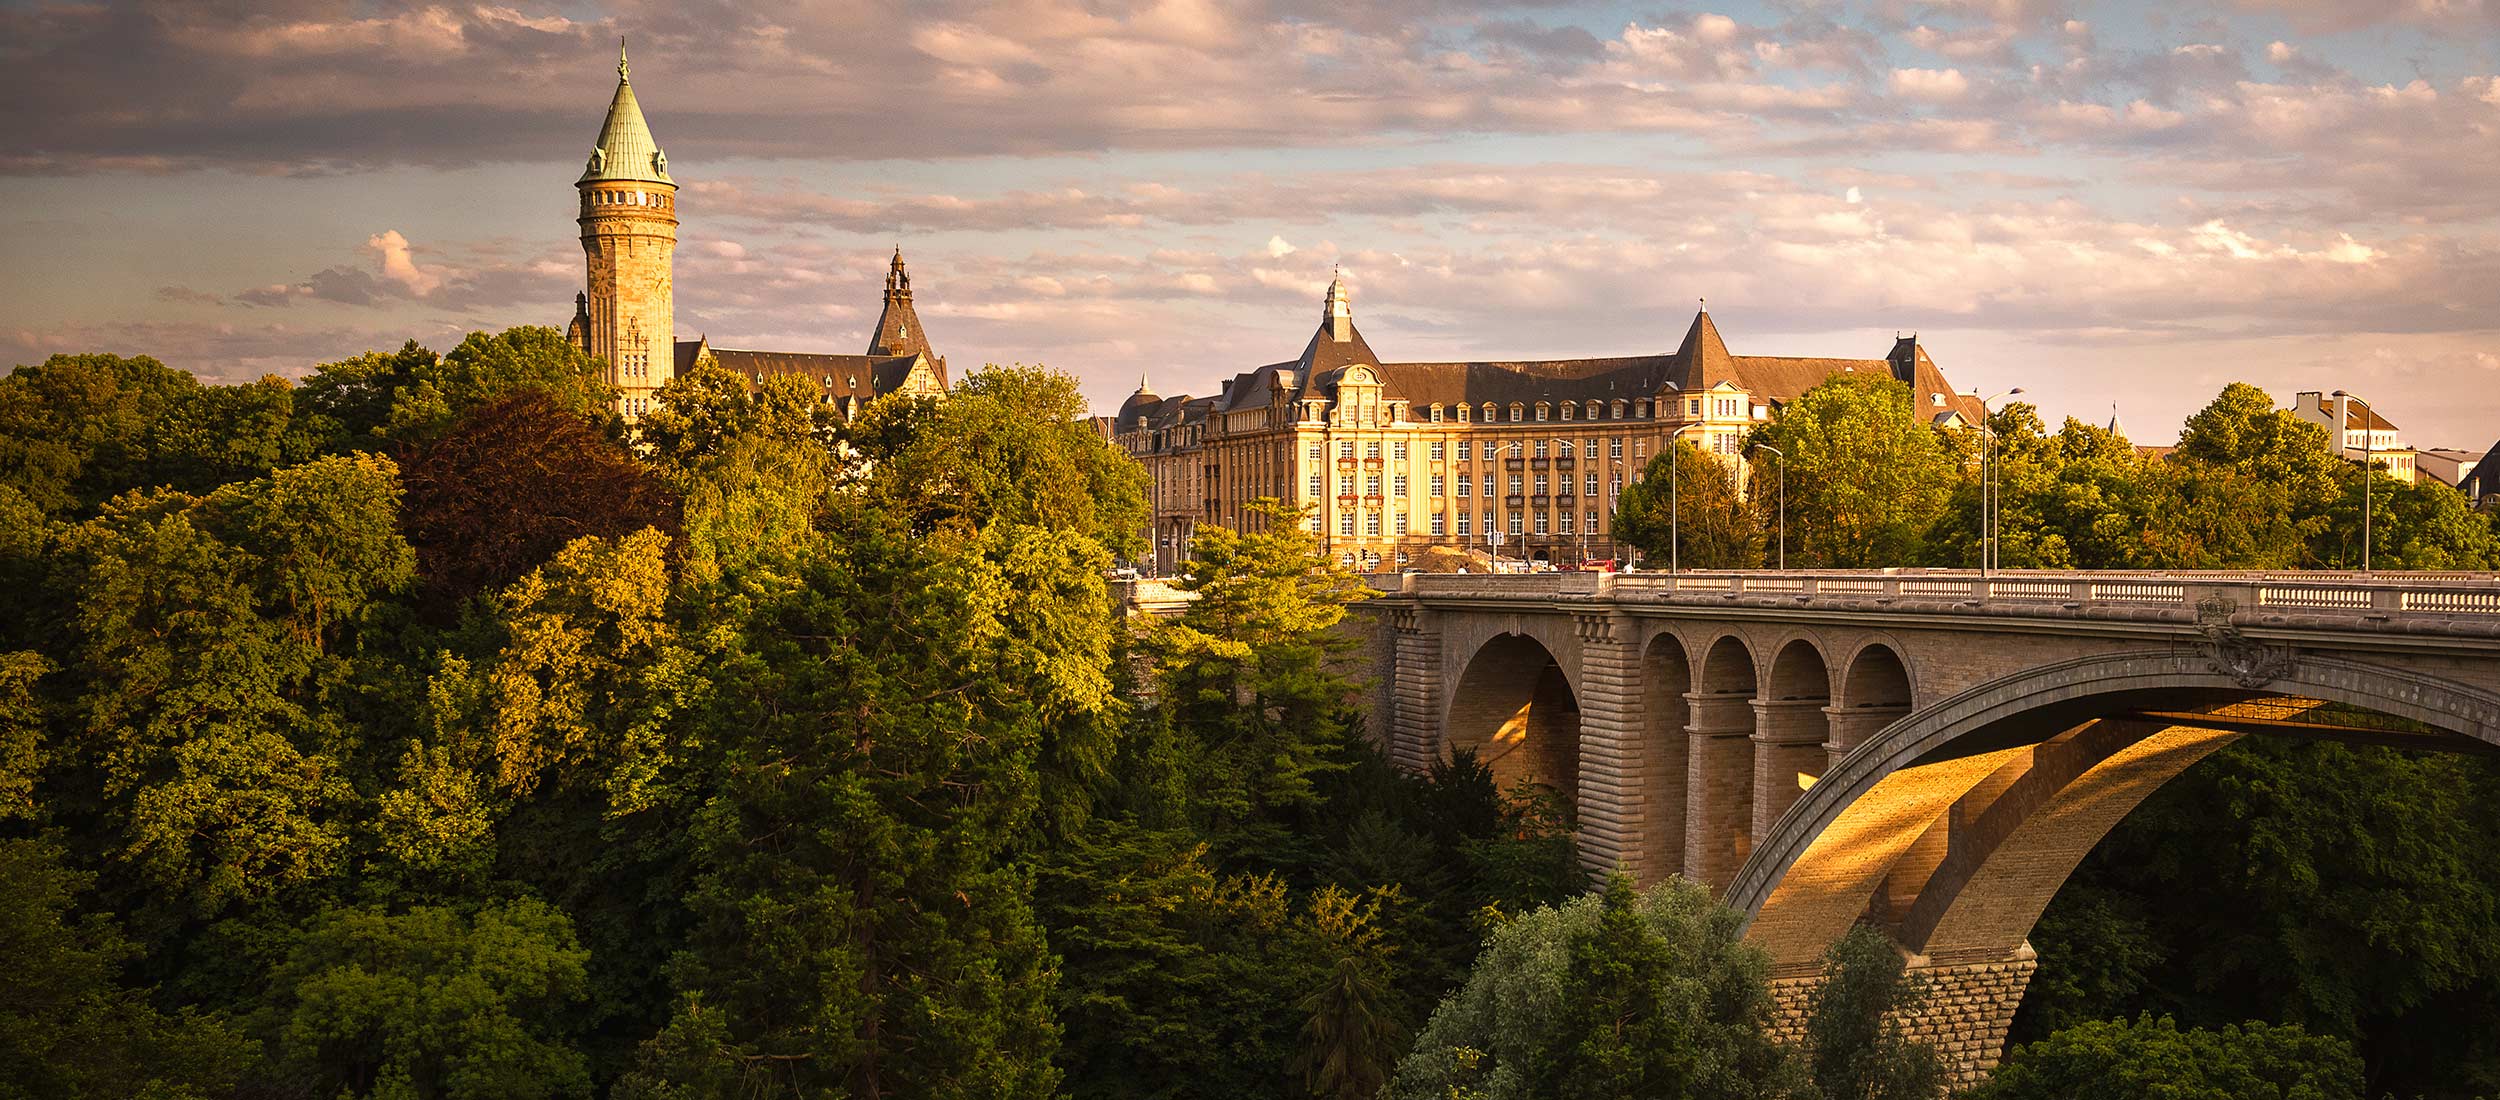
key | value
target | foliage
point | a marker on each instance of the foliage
(1855, 1048)
(1624, 994)
(1867, 475)
(2152, 1057)
(412, 395)
(1251, 672)
(511, 481)
(68, 1029)
(702, 412)
(78, 429)
(1008, 443)
(430, 1003)
(1716, 528)
(2344, 889)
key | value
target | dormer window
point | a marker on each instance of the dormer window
(1462, 414)
(1434, 414)
(1518, 412)
(1566, 412)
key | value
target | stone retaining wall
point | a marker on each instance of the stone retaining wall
(1969, 1008)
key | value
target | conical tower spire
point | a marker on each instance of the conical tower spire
(1339, 313)
(898, 328)
(1704, 354)
(626, 150)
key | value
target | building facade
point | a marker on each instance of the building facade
(2357, 431)
(1520, 460)
(627, 318)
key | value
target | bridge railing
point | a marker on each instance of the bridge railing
(2372, 595)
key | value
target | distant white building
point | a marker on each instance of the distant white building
(2358, 431)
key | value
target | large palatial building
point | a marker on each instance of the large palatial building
(627, 317)
(1523, 458)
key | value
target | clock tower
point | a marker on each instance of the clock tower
(629, 241)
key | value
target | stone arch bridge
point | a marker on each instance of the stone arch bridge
(1931, 752)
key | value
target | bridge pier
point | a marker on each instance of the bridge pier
(1415, 690)
(1612, 802)
(1718, 797)
(1787, 743)
(1970, 1007)
(1851, 726)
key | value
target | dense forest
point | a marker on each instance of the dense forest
(411, 731)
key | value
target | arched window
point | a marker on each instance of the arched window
(1434, 414)
(1542, 410)
(1566, 410)
(1491, 415)
(1518, 412)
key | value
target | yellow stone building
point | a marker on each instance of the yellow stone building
(627, 317)
(1523, 459)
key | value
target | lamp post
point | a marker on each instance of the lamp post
(1783, 457)
(2369, 473)
(1988, 485)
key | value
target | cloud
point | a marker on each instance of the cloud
(399, 265)
(1930, 85)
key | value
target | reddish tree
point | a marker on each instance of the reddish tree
(514, 481)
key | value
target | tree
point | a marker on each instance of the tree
(1718, 529)
(2152, 1057)
(68, 1029)
(432, 1003)
(1651, 992)
(1855, 1048)
(412, 395)
(1867, 475)
(79, 429)
(215, 637)
(1251, 675)
(1009, 443)
(880, 729)
(514, 480)
(702, 411)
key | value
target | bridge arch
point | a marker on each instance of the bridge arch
(1954, 826)
(1875, 691)
(1719, 726)
(1516, 709)
(1667, 683)
(1791, 724)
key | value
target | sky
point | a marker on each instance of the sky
(2125, 205)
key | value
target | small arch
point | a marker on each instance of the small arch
(1790, 727)
(1728, 669)
(1876, 678)
(1798, 672)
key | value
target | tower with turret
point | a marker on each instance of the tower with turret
(629, 243)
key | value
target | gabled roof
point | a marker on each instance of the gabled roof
(860, 376)
(2359, 417)
(626, 150)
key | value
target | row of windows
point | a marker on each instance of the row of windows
(1439, 449)
(1546, 523)
(1440, 485)
(652, 199)
(1491, 413)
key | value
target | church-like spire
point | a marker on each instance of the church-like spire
(1339, 314)
(1705, 359)
(626, 150)
(898, 328)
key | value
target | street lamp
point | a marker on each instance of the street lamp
(1988, 485)
(1783, 457)
(2369, 471)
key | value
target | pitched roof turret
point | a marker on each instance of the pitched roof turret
(626, 151)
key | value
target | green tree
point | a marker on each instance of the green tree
(214, 635)
(431, 1003)
(702, 411)
(1718, 530)
(1252, 675)
(1867, 474)
(880, 729)
(1855, 1048)
(2152, 1057)
(1008, 443)
(68, 1029)
(1650, 992)
(412, 395)
(79, 429)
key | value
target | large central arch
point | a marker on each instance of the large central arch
(1515, 709)
(1954, 826)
